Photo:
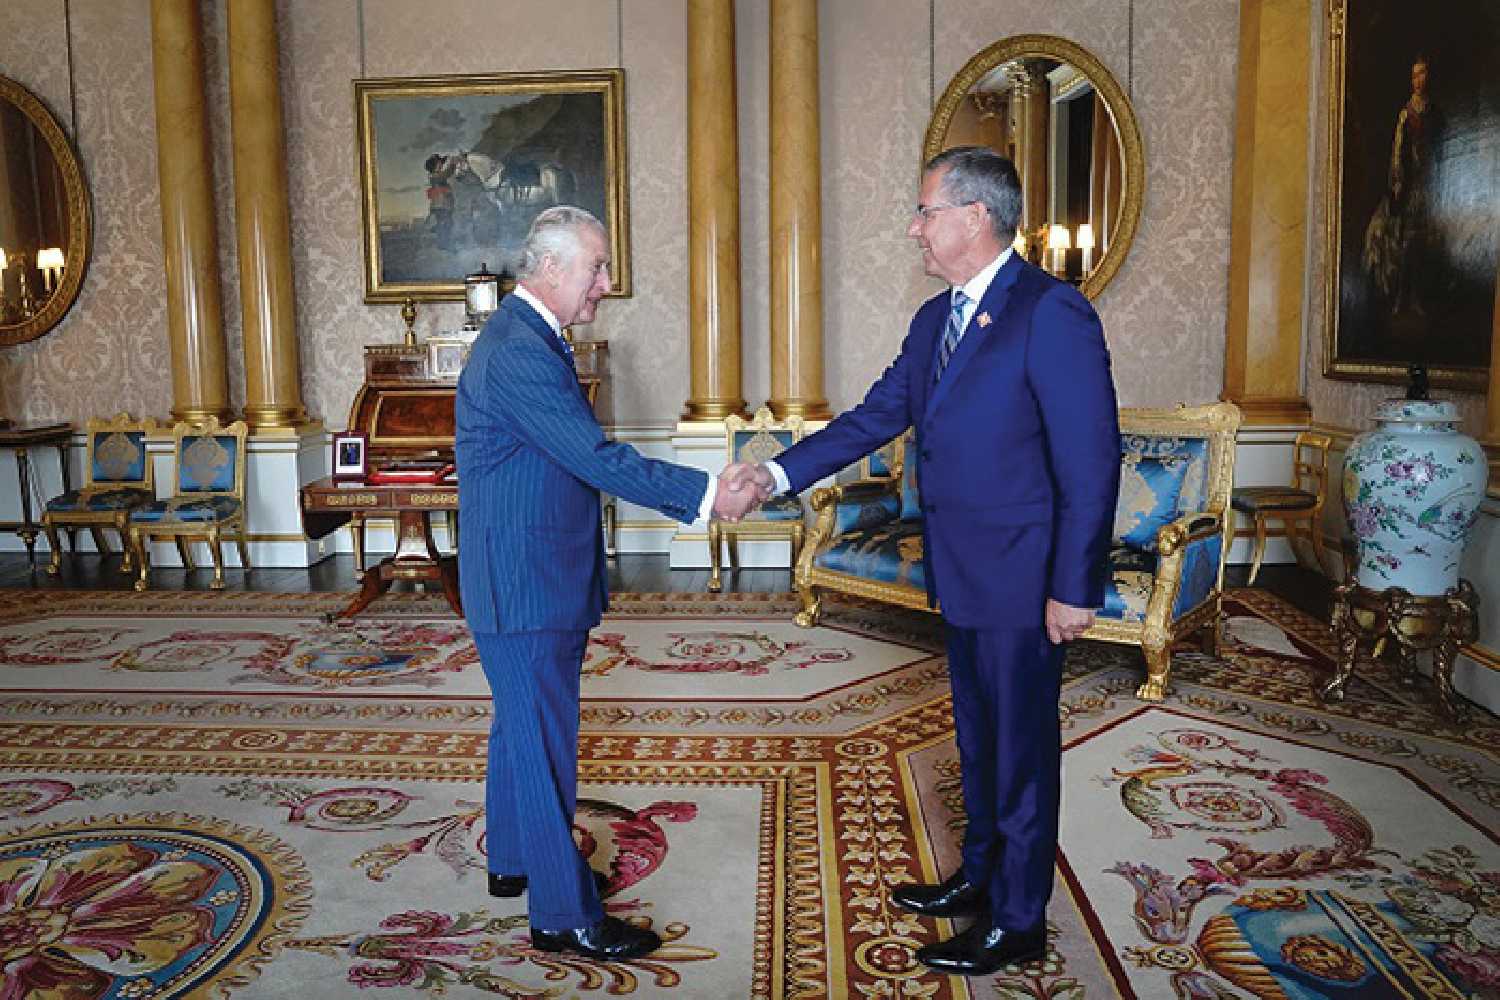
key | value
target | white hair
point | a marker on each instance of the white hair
(555, 232)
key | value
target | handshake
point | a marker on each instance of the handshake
(742, 488)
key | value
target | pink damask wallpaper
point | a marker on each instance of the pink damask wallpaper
(882, 66)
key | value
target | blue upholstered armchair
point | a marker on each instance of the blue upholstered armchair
(1171, 536)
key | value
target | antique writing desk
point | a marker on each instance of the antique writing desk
(407, 413)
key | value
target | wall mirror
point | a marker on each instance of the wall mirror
(1054, 109)
(45, 226)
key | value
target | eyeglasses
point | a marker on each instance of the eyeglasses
(926, 212)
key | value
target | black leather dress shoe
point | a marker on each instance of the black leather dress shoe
(611, 939)
(510, 886)
(957, 897)
(984, 949)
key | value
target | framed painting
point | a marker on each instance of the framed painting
(1413, 190)
(350, 456)
(453, 169)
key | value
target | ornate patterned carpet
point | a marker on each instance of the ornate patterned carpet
(221, 795)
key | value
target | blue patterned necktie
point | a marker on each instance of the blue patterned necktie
(953, 332)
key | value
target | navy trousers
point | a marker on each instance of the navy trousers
(531, 788)
(1006, 684)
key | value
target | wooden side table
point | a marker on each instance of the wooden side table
(21, 439)
(1414, 623)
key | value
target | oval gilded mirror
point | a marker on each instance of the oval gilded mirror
(45, 226)
(1054, 109)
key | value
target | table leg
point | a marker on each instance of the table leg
(1346, 634)
(375, 584)
(448, 577)
(27, 530)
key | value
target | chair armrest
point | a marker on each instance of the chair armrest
(1185, 530)
(859, 491)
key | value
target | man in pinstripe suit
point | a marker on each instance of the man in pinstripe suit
(531, 461)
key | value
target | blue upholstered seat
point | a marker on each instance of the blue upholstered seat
(186, 510)
(95, 500)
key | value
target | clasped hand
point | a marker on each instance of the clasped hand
(742, 488)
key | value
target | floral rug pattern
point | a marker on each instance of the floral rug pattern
(221, 795)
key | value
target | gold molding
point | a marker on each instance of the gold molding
(1273, 412)
(1132, 149)
(1468, 379)
(80, 218)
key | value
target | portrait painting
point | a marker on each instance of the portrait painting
(1414, 190)
(454, 169)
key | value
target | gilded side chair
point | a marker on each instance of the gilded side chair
(1170, 539)
(207, 501)
(756, 440)
(1299, 507)
(117, 479)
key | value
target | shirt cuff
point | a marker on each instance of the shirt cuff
(783, 484)
(706, 505)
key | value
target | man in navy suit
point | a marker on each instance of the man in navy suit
(1006, 378)
(531, 461)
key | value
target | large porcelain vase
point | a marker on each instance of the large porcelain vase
(1412, 489)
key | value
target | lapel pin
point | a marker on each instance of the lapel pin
(984, 319)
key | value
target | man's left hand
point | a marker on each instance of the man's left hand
(1065, 622)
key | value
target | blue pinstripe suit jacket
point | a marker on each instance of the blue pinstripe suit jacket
(531, 461)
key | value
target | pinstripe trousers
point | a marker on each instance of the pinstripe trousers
(531, 787)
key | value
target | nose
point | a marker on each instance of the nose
(603, 283)
(914, 227)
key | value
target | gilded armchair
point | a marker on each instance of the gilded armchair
(117, 479)
(207, 502)
(1166, 565)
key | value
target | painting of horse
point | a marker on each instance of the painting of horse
(454, 170)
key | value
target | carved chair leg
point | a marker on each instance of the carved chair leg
(1209, 637)
(242, 542)
(217, 552)
(1259, 551)
(812, 607)
(185, 550)
(1315, 528)
(122, 529)
(54, 564)
(715, 538)
(733, 538)
(138, 542)
(1158, 656)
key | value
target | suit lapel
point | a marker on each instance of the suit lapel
(984, 324)
(533, 319)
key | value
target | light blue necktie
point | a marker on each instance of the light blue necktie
(953, 332)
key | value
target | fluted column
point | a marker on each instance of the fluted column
(273, 389)
(195, 326)
(796, 214)
(714, 210)
(1268, 214)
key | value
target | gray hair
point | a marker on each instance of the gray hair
(976, 173)
(555, 232)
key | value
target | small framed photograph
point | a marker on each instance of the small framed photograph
(350, 456)
(446, 357)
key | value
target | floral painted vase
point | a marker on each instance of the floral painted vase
(1412, 489)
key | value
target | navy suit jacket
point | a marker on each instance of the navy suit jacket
(531, 461)
(1017, 449)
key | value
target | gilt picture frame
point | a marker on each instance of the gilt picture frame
(454, 169)
(1412, 191)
